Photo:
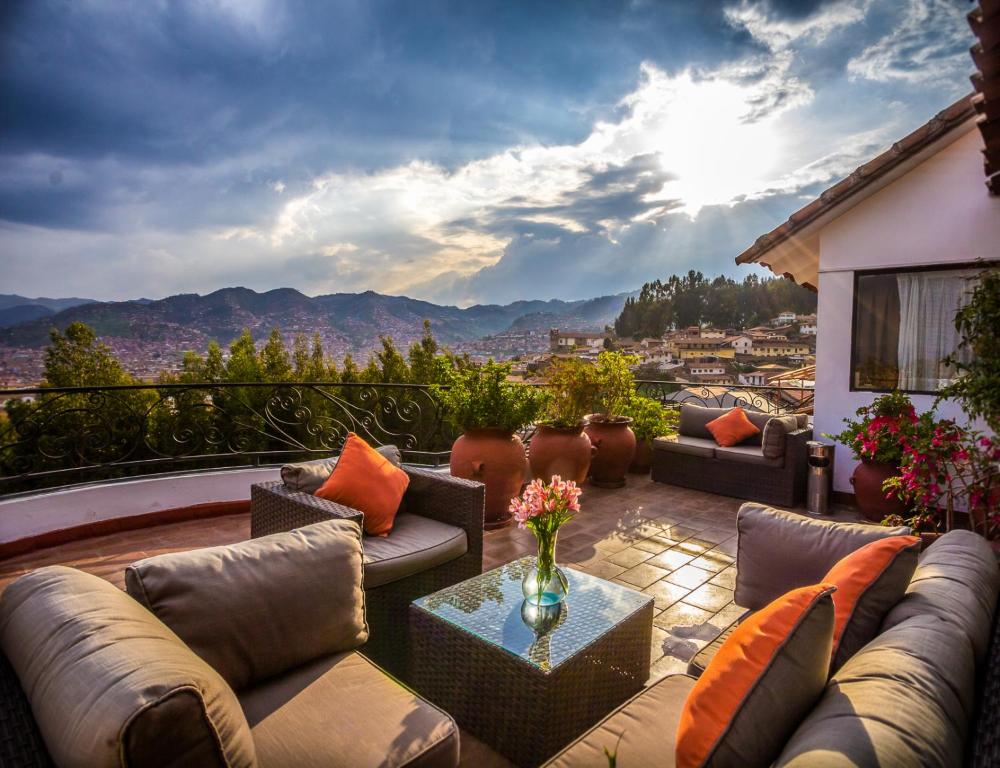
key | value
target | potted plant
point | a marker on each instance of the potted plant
(559, 445)
(876, 440)
(650, 419)
(543, 509)
(610, 429)
(489, 409)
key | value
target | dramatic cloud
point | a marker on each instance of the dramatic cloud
(458, 152)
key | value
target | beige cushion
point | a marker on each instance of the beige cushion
(109, 684)
(956, 580)
(342, 710)
(692, 446)
(694, 418)
(308, 476)
(778, 551)
(414, 545)
(748, 454)
(775, 433)
(255, 609)
(646, 723)
(904, 699)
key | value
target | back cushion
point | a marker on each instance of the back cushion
(808, 549)
(904, 699)
(258, 608)
(775, 431)
(695, 417)
(308, 476)
(956, 580)
(109, 684)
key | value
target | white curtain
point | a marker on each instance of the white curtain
(928, 302)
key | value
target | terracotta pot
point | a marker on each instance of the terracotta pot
(643, 459)
(495, 458)
(867, 481)
(563, 451)
(615, 443)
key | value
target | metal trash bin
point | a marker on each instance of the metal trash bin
(820, 460)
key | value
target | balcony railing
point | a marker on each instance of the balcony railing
(53, 437)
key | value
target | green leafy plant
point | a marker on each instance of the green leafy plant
(879, 434)
(977, 387)
(572, 388)
(615, 383)
(483, 397)
(651, 419)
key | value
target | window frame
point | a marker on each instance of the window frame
(980, 265)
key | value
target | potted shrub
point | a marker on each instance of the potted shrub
(489, 409)
(609, 430)
(876, 440)
(559, 445)
(650, 419)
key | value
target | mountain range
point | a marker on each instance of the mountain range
(16, 309)
(356, 318)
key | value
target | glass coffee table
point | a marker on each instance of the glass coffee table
(526, 680)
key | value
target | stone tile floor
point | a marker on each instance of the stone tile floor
(675, 544)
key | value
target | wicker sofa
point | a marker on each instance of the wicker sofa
(237, 656)
(436, 541)
(925, 691)
(769, 467)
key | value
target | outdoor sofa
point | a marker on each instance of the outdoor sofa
(236, 656)
(436, 541)
(924, 692)
(769, 467)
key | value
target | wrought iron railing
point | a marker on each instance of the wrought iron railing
(58, 436)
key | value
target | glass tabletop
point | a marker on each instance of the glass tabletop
(491, 606)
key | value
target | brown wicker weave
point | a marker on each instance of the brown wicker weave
(436, 495)
(783, 486)
(984, 749)
(21, 744)
(529, 692)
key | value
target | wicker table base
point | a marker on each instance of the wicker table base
(528, 692)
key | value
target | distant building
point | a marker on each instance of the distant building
(742, 344)
(785, 318)
(564, 341)
(771, 348)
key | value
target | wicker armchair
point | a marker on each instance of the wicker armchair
(434, 495)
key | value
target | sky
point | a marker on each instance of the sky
(459, 152)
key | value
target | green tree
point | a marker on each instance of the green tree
(274, 363)
(75, 358)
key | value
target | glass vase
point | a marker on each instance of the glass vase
(545, 584)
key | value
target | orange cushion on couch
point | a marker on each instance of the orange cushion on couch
(869, 581)
(365, 480)
(732, 428)
(761, 684)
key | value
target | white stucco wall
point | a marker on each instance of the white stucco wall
(938, 213)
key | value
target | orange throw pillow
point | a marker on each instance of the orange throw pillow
(869, 581)
(761, 684)
(367, 481)
(732, 428)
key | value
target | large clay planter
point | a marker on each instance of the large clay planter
(615, 444)
(495, 458)
(867, 481)
(643, 460)
(563, 451)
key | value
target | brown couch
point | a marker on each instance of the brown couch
(769, 467)
(234, 656)
(923, 692)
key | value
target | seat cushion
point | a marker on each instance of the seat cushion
(869, 582)
(748, 454)
(778, 551)
(255, 609)
(646, 724)
(732, 428)
(956, 580)
(110, 684)
(761, 684)
(415, 544)
(367, 481)
(692, 446)
(904, 699)
(343, 710)
(700, 661)
(308, 476)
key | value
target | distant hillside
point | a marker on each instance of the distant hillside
(16, 309)
(358, 318)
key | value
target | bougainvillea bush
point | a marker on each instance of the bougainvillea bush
(881, 431)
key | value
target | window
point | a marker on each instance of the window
(904, 327)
